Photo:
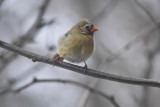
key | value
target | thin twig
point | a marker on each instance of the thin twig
(7, 89)
(25, 74)
(151, 55)
(78, 69)
(106, 10)
(86, 95)
(138, 37)
(143, 33)
(146, 11)
(28, 36)
(35, 80)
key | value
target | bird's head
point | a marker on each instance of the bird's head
(84, 27)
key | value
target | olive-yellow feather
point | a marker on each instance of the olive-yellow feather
(77, 44)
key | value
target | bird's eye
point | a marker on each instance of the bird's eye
(87, 27)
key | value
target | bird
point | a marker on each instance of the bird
(77, 44)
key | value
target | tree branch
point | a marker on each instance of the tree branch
(28, 36)
(78, 69)
(86, 95)
(150, 54)
(35, 80)
(110, 6)
(146, 11)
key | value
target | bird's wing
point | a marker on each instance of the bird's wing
(67, 34)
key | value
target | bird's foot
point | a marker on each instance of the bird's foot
(85, 67)
(56, 58)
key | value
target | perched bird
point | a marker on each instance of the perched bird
(77, 44)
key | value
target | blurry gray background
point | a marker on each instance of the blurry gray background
(127, 43)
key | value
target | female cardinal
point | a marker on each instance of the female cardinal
(77, 44)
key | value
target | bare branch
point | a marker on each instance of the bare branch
(78, 69)
(25, 74)
(146, 11)
(106, 10)
(9, 87)
(37, 24)
(35, 80)
(86, 95)
(138, 37)
(151, 55)
(27, 37)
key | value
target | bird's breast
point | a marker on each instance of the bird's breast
(76, 48)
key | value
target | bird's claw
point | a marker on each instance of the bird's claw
(55, 61)
(56, 58)
(85, 67)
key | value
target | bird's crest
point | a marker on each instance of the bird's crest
(85, 19)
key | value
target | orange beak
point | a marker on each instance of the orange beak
(94, 29)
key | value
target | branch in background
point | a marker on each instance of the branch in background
(86, 95)
(140, 36)
(146, 11)
(11, 83)
(151, 54)
(148, 72)
(25, 74)
(78, 69)
(135, 38)
(37, 24)
(35, 80)
(106, 10)
(27, 37)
